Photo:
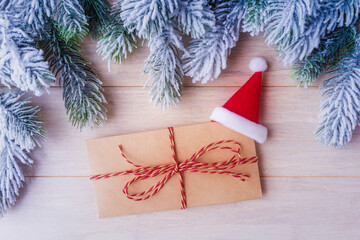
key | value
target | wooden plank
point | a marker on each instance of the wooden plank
(236, 74)
(292, 208)
(291, 149)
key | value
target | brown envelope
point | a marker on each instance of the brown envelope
(153, 148)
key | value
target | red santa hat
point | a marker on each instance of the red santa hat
(241, 112)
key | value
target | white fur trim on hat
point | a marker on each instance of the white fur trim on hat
(257, 64)
(239, 124)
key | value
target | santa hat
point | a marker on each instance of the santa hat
(241, 112)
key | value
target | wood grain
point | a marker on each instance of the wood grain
(310, 191)
(236, 73)
(292, 208)
(291, 149)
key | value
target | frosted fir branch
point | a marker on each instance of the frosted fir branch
(20, 132)
(341, 13)
(288, 16)
(147, 17)
(306, 43)
(21, 64)
(11, 175)
(19, 120)
(69, 15)
(231, 14)
(308, 22)
(331, 49)
(5, 5)
(98, 16)
(340, 103)
(255, 17)
(117, 41)
(207, 56)
(329, 16)
(71, 19)
(164, 68)
(194, 17)
(308, 70)
(35, 13)
(82, 91)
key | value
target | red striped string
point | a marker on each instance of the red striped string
(189, 165)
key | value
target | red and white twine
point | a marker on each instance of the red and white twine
(189, 165)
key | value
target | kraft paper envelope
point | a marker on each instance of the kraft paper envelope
(153, 148)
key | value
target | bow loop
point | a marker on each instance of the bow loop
(149, 192)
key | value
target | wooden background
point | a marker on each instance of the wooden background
(310, 191)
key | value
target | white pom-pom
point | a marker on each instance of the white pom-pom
(258, 64)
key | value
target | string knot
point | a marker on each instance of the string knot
(191, 165)
(176, 168)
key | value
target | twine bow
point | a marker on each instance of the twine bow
(176, 168)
